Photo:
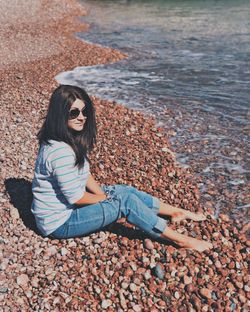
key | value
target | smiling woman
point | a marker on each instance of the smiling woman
(68, 202)
(77, 115)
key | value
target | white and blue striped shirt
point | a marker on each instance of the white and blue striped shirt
(56, 186)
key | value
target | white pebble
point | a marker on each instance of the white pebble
(133, 287)
(176, 295)
(106, 303)
(64, 251)
(136, 308)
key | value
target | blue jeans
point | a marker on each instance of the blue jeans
(139, 208)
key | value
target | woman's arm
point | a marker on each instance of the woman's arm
(89, 198)
(93, 186)
(94, 194)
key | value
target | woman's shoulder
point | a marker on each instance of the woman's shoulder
(57, 148)
(55, 144)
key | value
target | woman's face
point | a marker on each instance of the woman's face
(77, 119)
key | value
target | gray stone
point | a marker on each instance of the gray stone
(158, 271)
(3, 290)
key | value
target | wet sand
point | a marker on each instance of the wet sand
(119, 269)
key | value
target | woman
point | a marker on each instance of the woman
(68, 202)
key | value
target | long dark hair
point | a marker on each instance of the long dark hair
(55, 126)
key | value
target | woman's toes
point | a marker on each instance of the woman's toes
(199, 217)
(177, 217)
(200, 245)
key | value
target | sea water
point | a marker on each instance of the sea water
(188, 65)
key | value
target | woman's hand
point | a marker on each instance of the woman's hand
(104, 196)
(93, 195)
(89, 198)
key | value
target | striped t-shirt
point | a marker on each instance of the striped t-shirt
(56, 186)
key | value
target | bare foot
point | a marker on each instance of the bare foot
(186, 241)
(185, 214)
(196, 244)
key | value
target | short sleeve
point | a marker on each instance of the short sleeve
(64, 171)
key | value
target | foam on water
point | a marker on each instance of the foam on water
(104, 85)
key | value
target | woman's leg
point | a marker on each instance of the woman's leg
(137, 213)
(87, 219)
(91, 218)
(148, 200)
(186, 241)
(178, 214)
(159, 207)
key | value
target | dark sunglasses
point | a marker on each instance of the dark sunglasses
(75, 112)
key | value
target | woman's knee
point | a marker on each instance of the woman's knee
(123, 188)
(129, 200)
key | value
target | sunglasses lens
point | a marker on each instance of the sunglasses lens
(74, 113)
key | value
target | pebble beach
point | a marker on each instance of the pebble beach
(119, 268)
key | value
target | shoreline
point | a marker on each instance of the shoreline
(135, 152)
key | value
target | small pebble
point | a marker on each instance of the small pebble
(52, 250)
(2, 240)
(124, 285)
(176, 295)
(133, 287)
(22, 279)
(137, 308)
(64, 251)
(148, 244)
(187, 279)
(159, 271)
(14, 213)
(206, 293)
(147, 275)
(106, 303)
(3, 290)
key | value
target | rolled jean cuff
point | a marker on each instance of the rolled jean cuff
(156, 204)
(160, 226)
